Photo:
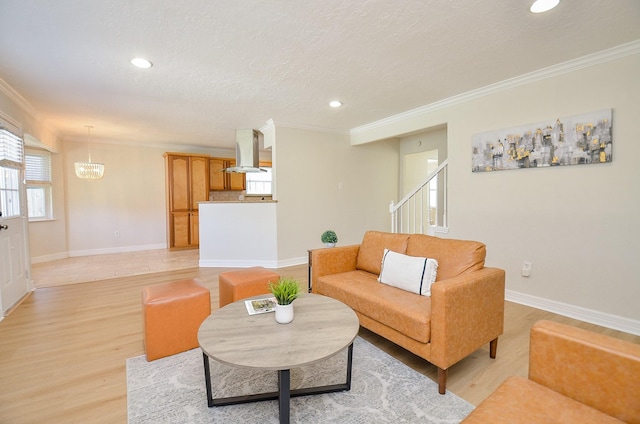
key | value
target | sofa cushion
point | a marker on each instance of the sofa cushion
(406, 312)
(454, 257)
(372, 249)
(569, 360)
(411, 273)
(518, 400)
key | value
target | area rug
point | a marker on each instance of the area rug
(383, 390)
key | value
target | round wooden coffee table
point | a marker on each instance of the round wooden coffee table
(321, 327)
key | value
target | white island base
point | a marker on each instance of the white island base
(238, 234)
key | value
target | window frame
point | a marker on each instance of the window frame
(43, 184)
(260, 182)
(10, 196)
(11, 167)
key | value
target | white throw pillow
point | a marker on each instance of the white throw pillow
(411, 273)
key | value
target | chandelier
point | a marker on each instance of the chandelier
(89, 170)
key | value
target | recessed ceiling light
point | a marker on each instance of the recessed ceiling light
(141, 63)
(335, 103)
(540, 6)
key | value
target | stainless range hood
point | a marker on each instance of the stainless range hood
(247, 152)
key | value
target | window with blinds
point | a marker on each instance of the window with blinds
(9, 192)
(11, 148)
(38, 168)
(11, 164)
(38, 177)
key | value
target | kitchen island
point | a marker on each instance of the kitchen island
(238, 234)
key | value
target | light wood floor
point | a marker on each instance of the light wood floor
(103, 267)
(63, 350)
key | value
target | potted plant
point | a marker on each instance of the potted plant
(285, 290)
(329, 238)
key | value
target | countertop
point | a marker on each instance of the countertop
(239, 201)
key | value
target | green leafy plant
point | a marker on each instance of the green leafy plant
(329, 236)
(285, 290)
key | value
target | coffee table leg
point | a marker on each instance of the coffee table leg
(207, 379)
(284, 395)
(284, 389)
(349, 364)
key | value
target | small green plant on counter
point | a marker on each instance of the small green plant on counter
(285, 290)
(329, 236)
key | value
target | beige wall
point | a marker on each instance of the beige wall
(578, 225)
(130, 199)
(48, 239)
(432, 139)
(309, 166)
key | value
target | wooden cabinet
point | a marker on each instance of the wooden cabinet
(217, 175)
(187, 181)
(221, 180)
(237, 181)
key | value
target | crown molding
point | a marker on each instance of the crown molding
(26, 107)
(17, 98)
(615, 53)
(269, 125)
(14, 125)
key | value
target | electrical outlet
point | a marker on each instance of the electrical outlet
(116, 234)
(526, 269)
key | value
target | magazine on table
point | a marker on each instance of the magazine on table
(260, 306)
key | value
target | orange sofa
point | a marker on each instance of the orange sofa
(575, 376)
(465, 309)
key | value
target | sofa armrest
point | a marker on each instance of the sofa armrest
(597, 370)
(467, 312)
(333, 260)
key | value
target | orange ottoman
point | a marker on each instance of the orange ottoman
(173, 313)
(240, 284)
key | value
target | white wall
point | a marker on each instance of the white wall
(309, 168)
(130, 199)
(432, 139)
(578, 225)
(238, 235)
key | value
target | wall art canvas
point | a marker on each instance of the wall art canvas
(574, 140)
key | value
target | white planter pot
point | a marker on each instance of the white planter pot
(284, 313)
(330, 244)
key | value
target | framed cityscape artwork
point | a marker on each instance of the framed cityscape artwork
(574, 140)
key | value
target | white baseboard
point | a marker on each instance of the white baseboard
(583, 314)
(303, 260)
(92, 252)
(49, 258)
(214, 263)
(121, 249)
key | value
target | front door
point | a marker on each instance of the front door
(14, 279)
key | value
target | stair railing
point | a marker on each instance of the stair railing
(423, 209)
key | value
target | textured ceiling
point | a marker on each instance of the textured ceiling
(227, 64)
